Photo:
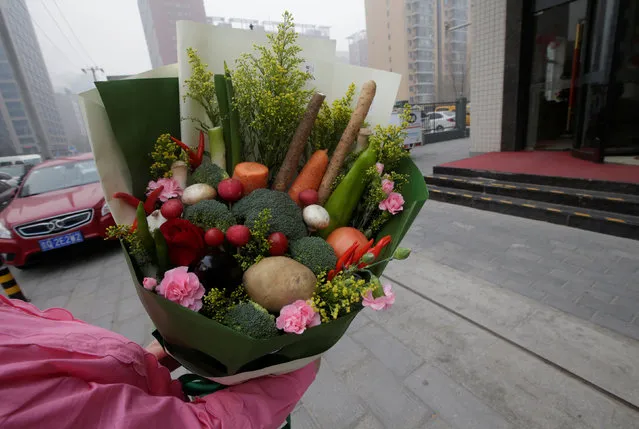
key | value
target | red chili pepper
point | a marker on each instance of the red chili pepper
(383, 242)
(345, 258)
(361, 251)
(331, 275)
(181, 144)
(149, 204)
(134, 225)
(200, 150)
(189, 151)
(127, 198)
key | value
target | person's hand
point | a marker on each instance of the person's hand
(156, 349)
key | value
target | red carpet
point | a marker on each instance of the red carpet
(561, 164)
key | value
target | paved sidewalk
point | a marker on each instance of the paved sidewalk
(430, 155)
(420, 366)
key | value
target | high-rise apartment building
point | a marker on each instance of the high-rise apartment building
(29, 119)
(358, 49)
(159, 18)
(453, 50)
(386, 32)
(420, 40)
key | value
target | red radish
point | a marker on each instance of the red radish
(279, 244)
(230, 190)
(172, 209)
(238, 235)
(308, 197)
(214, 237)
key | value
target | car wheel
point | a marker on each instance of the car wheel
(24, 267)
(439, 128)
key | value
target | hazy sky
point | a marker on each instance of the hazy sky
(110, 31)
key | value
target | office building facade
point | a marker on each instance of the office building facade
(159, 18)
(358, 49)
(29, 118)
(73, 121)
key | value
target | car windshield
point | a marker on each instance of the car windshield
(13, 170)
(59, 177)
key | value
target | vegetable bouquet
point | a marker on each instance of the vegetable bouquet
(253, 248)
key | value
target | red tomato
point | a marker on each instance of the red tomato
(214, 237)
(279, 244)
(343, 238)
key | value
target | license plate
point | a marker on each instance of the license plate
(61, 241)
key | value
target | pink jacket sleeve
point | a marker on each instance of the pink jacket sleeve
(56, 371)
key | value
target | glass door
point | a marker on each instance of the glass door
(559, 35)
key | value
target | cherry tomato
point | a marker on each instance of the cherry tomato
(238, 235)
(214, 237)
(279, 244)
(172, 209)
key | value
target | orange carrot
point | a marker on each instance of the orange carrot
(298, 143)
(311, 175)
(252, 175)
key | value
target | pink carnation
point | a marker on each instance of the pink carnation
(171, 189)
(182, 287)
(380, 168)
(296, 317)
(381, 303)
(387, 186)
(149, 283)
(393, 204)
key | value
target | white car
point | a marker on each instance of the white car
(439, 121)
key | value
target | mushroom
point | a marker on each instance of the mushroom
(362, 139)
(198, 192)
(316, 217)
(179, 170)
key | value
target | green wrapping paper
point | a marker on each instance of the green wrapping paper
(139, 110)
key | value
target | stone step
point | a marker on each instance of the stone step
(611, 223)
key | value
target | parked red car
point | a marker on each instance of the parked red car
(59, 203)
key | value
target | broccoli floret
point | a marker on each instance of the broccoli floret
(208, 173)
(209, 214)
(251, 319)
(315, 253)
(286, 216)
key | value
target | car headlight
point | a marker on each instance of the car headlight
(105, 209)
(4, 232)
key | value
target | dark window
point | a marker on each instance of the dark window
(5, 71)
(9, 90)
(21, 127)
(27, 140)
(15, 109)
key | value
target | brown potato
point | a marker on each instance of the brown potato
(278, 281)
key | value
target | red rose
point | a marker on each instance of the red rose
(184, 240)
